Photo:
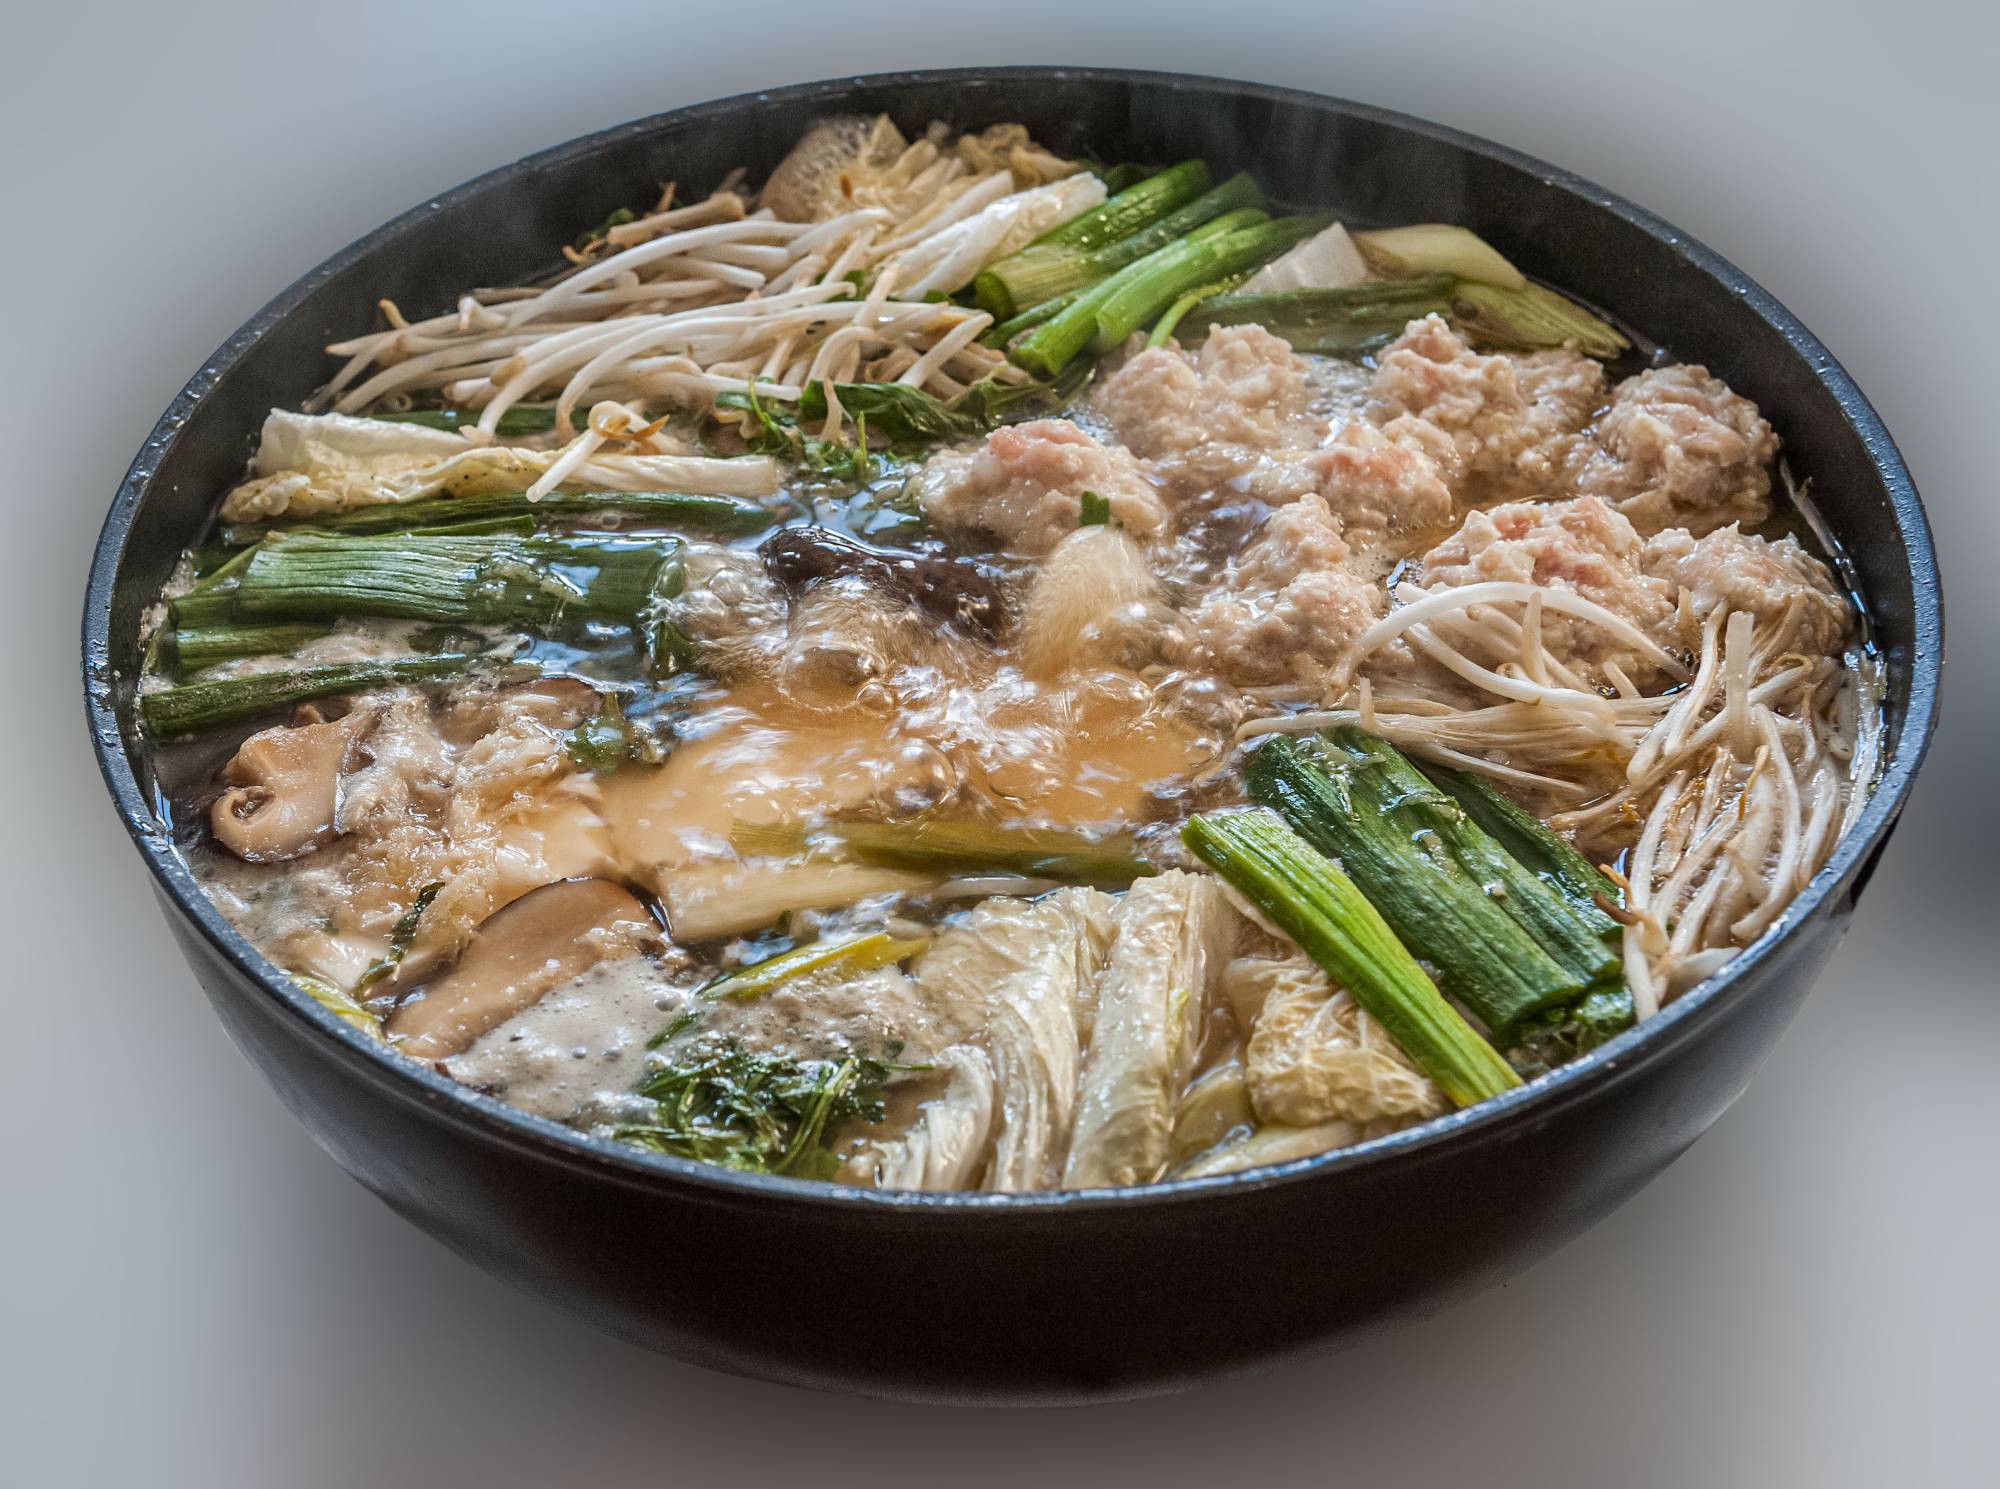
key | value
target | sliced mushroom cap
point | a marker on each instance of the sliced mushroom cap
(523, 951)
(284, 785)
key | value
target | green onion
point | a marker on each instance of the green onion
(1330, 322)
(1503, 944)
(964, 848)
(1003, 334)
(400, 939)
(1531, 843)
(206, 705)
(1437, 248)
(1560, 1035)
(1532, 318)
(498, 579)
(1049, 270)
(1105, 314)
(1133, 208)
(339, 1004)
(850, 958)
(599, 744)
(205, 646)
(517, 421)
(727, 516)
(1163, 328)
(669, 649)
(1319, 907)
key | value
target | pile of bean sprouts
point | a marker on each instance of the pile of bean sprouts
(690, 301)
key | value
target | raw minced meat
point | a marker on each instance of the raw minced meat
(1236, 418)
(1730, 569)
(1496, 426)
(1024, 486)
(1229, 421)
(1378, 485)
(1677, 448)
(1288, 607)
(1581, 545)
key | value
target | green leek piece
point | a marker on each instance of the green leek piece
(194, 706)
(967, 847)
(1105, 314)
(1532, 318)
(850, 958)
(497, 579)
(722, 516)
(1313, 902)
(1047, 271)
(206, 646)
(1453, 896)
(1328, 322)
(1129, 210)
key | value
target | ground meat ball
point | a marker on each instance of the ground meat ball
(1224, 423)
(1288, 606)
(1497, 426)
(1678, 449)
(1023, 487)
(1379, 486)
(1241, 389)
(1728, 569)
(1579, 545)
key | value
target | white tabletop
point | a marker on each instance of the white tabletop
(194, 1295)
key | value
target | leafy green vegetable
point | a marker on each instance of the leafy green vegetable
(900, 414)
(718, 1103)
(599, 744)
(766, 432)
(399, 939)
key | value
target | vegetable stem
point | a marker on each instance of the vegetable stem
(195, 706)
(1319, 907)
(1503, 944)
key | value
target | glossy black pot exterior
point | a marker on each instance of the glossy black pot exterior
(1097, 1293)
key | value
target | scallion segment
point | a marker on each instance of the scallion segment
(967, 847)
(1502, 942)
(1328, 322)
(1313, 902)
(1048, 271)
(498, 579)
(1104, 315)
(1137, 206)
(204, 646)
(723, 516)
(195, 706)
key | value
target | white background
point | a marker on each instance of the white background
(194, 1295)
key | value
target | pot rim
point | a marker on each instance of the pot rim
(406, 1081)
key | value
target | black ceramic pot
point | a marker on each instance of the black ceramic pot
(1061, 1296)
